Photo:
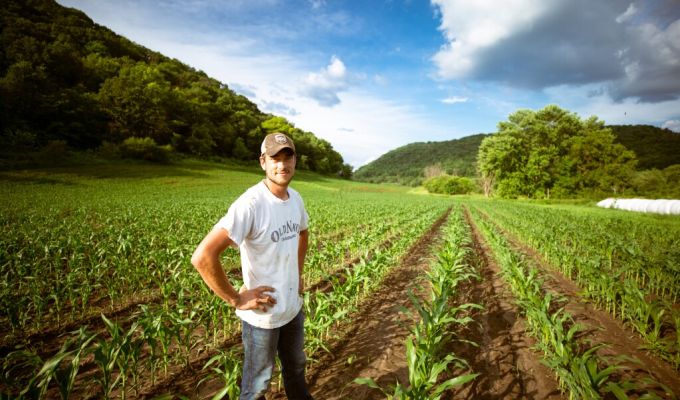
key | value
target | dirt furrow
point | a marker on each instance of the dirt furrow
(504, 358)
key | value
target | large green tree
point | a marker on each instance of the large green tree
(552, 152)
(136, 101)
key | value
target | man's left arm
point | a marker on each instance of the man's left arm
(302, 252)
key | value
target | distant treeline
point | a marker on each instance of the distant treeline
(655, 149)
(67, 80)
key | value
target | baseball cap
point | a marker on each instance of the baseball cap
(275, 142)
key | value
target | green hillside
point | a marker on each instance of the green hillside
(67, 82)
(406, 164)
(653, 146)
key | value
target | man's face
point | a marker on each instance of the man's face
(279, 168)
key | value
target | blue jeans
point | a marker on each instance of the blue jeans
(260, 347)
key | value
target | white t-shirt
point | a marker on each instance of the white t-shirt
(267, 231)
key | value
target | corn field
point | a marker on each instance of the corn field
(99, 298)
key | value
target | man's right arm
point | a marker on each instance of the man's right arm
(206, 260)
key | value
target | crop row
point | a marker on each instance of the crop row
(630, 270)
(325, 310)
(436, 321)
(642, 250)
(581, 372)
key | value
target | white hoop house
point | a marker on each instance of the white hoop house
(659, 206)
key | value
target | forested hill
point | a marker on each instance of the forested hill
(67, 80)
(654, 148)
(406, 164)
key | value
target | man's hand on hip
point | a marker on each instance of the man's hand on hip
(256, 299)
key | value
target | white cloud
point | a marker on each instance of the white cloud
(628, 14)
(672, 124)
(470, 27)
(317, 3)
(380, 80)
(278, 108)
(652, 64)
(325, 85)
(454, 100)
(244, 90)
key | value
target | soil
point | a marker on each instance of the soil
(599, 327)
(505, 360)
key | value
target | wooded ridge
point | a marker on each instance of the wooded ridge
(655, 148)
(66, 81)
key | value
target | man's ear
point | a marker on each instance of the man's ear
(262, 164)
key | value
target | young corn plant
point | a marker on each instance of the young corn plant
(116, 353)
(324, 310)
(19, 367)
(61, 368)
(423, 376)
(227, 367)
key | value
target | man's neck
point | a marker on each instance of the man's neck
(277, 190)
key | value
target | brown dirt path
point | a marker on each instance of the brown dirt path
(509, 368)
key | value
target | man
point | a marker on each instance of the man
(269, 225)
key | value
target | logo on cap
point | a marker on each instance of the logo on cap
(280, 139)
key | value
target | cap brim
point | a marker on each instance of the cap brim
(277, 150)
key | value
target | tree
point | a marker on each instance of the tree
(240, 150)
(136, 102)
(200, 142)
(654, 183)
(649, 182)
(346, 171)
(537, 154)
(447, 184)
(20, 95)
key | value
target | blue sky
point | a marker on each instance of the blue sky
(370, 76)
